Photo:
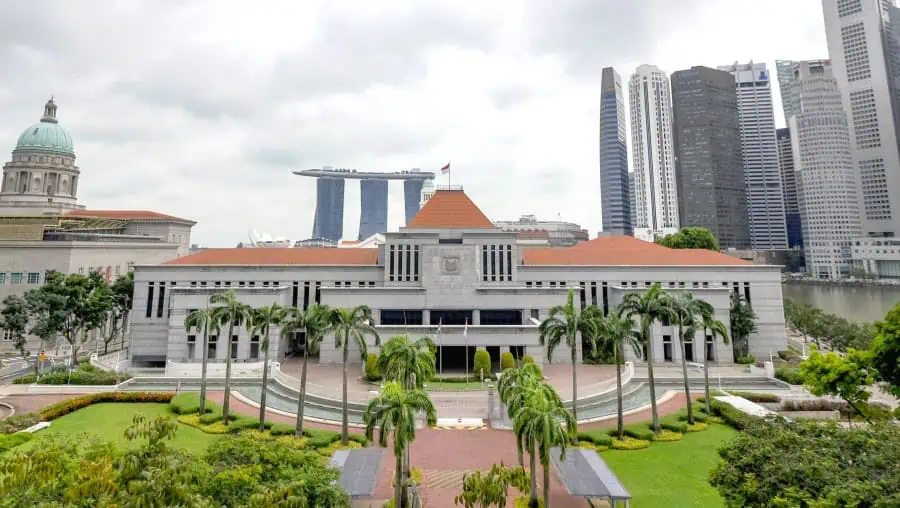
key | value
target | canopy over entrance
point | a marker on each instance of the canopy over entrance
(586, 475)
(359, 470)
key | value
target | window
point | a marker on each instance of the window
(536, 314)
(211, 347)
(7, 335)
(667, 349)
(16, 277)
(710, 349)
(689, 350)
(191, 346)
(34, 277)
(234, 347)
(254, 347)
(2, 277)
(149, 300)
(162, 298)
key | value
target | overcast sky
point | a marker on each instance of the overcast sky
(202, 108)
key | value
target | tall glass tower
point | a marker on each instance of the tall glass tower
(374, 207)
(329, 220)
(615, 197)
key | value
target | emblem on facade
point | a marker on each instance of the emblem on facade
(450, 266)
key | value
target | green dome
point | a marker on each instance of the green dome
(47, 135)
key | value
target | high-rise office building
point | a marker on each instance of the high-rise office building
(789, 188)
(765, 200)
(412, 198)
(709, 170)
(329, 219)
(653, 156)
(865, 56)
(633, 198)
(785, 72)
(373, 207)
(827, 189)
(615, 198)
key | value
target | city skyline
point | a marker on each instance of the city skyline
(510, 95)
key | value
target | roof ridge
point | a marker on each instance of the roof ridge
(450, 209)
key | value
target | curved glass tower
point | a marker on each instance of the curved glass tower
(329, 220)
(374, 206)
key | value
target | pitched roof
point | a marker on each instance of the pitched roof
(450, 209)
(280, 256)
(625, 251)
(126, 215)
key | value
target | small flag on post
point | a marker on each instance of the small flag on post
(445, 169)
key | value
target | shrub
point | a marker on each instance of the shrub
(699, 414)
(745, 360)
(596, 437)
(697, 427)
(15, 423)
(814, 405)
(507, 361)
(668, 436)
(188, 403)
(758, 397)
(482, 364)
(638, 431)
(282, 429)
(328, 451)
(790, 375)
(877, 411)
(213, 416)
(372, 373)
(194, 421)
(520, 502)
(788, 355)
(897, 413)
(732, 416)
(10, 441)
(65, 407)
(527, 359)
(240, 423)
(84, 374)
(674, 426)
(629, 443)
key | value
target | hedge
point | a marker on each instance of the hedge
(638, 431)
(65, 407)
(527, 359)
(15, 423)
(10, 441)
(84, 374)
(630, 443)
(790, 375)
(731, 415)
(596, 437)
(481, 366)
(189, 403)
(758, 397)
(372, 373)
(507, 361)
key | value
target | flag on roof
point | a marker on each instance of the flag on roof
(445, 169)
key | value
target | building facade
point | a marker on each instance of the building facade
(615, 197)
(653, 154)
(827, 187)
(709, 169)
(765, 199)
(532, 231)
(789, 188)
(451, 275)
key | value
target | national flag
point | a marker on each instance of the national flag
(445, 169)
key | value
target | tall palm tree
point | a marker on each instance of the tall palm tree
(648, 307)
(202, 321)
(314, 322)
(563, 325)
(261, 322)
(714, 328)
(228, 310)
(351, 324)
(616, 330)
(511, 389)
(544, 423)
(686, 312)
(394, 412)
(409, 362)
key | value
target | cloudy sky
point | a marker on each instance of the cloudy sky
(202, 108)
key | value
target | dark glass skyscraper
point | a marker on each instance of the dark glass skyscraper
(615, 196)
(709, 171)
(789, 187)
(412, 196)
(374, 207)
(329, 220)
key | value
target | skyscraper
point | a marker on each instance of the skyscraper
(785, 70)
(765, 200)
(615, 198)
(789, 187)
(329, 219)
(653, 157)
(865, 55)
(827, 189)
(373, 207)
(709, 169)
(633, 198)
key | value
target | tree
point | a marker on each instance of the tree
(844, 376)
(228, 311)
(351, 325)
(510, 386)
(688, 314)
(563, 325)
(393, 412)
(715, 329)
(690, 238)
(743, 324)
(314, 323)
(72, 305)
(647, 307)
(203, 321)
(123, 295)
(886, 350)
(492, 488)
(261, 322)
(14, 321)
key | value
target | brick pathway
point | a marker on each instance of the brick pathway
(31, 403)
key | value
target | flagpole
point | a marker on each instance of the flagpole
(441, 348)
(466, 337)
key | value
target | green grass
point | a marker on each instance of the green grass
(672, 474)
(456, 386)
(109, 421)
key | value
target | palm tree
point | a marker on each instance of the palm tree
(229, 311)
(411, 363)
(648, 307)
(201, 320)
(615, 330)
(743, 323)
(686, 312)
(314, 322)
(351, 324)
(544, 423)
(563, 324)
(510, 389)
(715, 328)
(261, 322)
(394, 412)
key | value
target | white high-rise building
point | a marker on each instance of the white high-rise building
(862, 44)
(765, 201)
(827, 187)
(653, 155)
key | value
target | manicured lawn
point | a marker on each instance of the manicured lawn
(672, 474)
(110, 420)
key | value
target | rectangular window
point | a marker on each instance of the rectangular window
(2, 277)
(211, 347)
(667, 349)
(536, 314)
(305, 295)
(594, 294)
(689, 350)
(191, 346)
(149, 300)
(528, 284)
(234, 347)
(509, 262)
(416, 263)
(583, 294)
(391, 263)
(318, 292)
(484, 263)
(34, 277)
(17, 277)
(295, 293)
(162, 299)
(747, 294)
(254, 347)
(493, 263)
(501, 267)
(710, 349)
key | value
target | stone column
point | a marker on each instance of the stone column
(476, 317)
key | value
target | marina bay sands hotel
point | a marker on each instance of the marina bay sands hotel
(329, 220)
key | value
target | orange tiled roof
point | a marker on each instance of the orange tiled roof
(126, 215)
(450, 209)
(625, 251)
(280, 256)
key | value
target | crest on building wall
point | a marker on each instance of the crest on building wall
(450, 265)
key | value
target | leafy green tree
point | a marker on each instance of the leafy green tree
(228, 311)
(611, 332)
(648, 307)
(686, 312)
(483, 490)
(563, 325)
(844, 376)
(714, 329)
(203, 321)
(690, 238)
(507, 360)
(351, 325)
(409, 362)
(14, 320)
(481, 364)
(123, 296)
(261, 322)
(886, 350)
(314, 323)
(743, 324)
(393, 412)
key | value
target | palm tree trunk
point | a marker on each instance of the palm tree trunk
(654, 424)
(706, 372)
(519, 454)
(620, 419)
(398, 489)
(687, 388)
(345, 417)
(574, 379)
(265, 382)
(205, 354)
(404, 479)
(546, 484)
(298, 432)
(226, 401)
(532, 496)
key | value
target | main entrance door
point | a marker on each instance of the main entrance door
(452, 359)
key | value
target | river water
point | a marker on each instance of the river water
(857, 303)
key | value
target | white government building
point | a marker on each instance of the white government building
(450, 274)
